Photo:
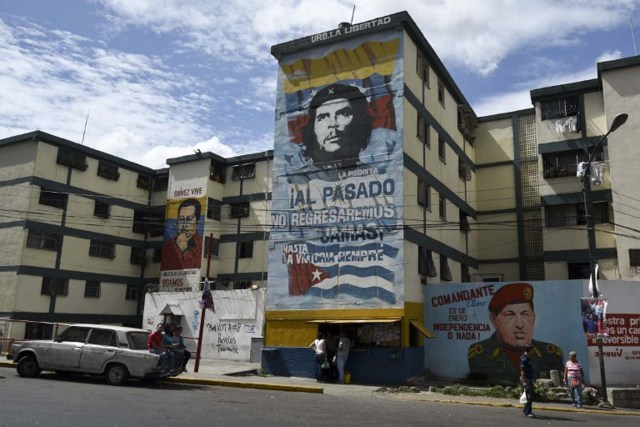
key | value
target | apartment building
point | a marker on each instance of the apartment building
(83, 231)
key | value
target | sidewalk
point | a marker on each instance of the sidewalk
(241, 374)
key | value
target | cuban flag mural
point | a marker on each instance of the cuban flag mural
(336, 238)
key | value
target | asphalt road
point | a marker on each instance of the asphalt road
(53, 400)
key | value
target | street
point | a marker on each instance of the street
(56, 400)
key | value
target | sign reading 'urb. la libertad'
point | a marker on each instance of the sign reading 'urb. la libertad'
(374, 23)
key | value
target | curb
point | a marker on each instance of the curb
(242, 384)
(227, 383)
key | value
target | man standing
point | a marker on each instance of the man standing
(343, 354)
(526, 377)
(184, 250)
(496, 359)
(339, 127)
(155, 346)
(574, 377)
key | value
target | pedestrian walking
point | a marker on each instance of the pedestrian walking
(526, 376)
(320, 346)
(573, 377)
(343, 354)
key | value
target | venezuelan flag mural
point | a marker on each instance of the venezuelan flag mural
(337, 189)
(184, 226)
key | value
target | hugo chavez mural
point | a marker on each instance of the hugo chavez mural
(482, 328)
(336, 238)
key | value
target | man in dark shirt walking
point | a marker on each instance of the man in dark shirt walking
(526, 376)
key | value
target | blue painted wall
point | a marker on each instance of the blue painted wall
(382, 366)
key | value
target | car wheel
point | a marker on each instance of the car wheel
(117, 374)
(28, 367)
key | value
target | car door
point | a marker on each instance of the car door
(66, 350)
(101, 346)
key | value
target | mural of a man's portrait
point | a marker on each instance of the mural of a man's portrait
(339, 127)
(182, 248)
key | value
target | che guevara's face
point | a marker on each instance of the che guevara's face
(332, 122)
(514, 325)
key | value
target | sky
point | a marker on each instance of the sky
(148, 80)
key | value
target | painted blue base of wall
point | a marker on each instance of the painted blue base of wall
(381, 366)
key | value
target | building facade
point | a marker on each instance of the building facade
(382, 182)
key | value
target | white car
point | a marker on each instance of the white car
(113, 351)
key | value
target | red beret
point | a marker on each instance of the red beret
(515, 293)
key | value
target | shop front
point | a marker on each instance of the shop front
(386, 349)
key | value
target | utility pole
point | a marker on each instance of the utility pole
(618, 121)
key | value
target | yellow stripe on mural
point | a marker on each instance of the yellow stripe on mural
(343, 64)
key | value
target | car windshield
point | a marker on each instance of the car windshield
(138, 340)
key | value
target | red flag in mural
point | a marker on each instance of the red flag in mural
(303, 275)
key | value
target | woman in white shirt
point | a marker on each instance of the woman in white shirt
(320, 346)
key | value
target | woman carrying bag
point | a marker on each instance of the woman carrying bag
(320, 346)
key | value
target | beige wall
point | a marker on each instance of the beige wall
(621, 92)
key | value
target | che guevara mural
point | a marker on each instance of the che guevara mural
(337, 237)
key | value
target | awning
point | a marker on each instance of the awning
(172, 309)
(335, 321)
(422, 328)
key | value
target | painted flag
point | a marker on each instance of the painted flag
(207, 296)
(329, 279)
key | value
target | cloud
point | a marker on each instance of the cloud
(477, 35)
(51, 81)
(520, 97)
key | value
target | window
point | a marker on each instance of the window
(157, 255)
(73, 159)
(108, 171)
(467, 123)
(563, 164)
(92, 289)
(423, 131)
(426, 266)
(579, 270)
(464, 223)
(53, 198)
(244, 171)
(442, 149)
(103, 337)
(634, 257)
(217, 172)
(74, 334)
(102, 210)
(144, 181)
(214, 209)
(464, 171)
(42, 240)
(102, 249)
(445, 272)
(422, 68)
(54, 286)
(214, 244)
(441, 92)
(139, 222)
(560, 107)
(155, 224)
(488, 277)
(131, 292)
(161, 183)
(571, 215)
(424, 194)
(245, 250)
(239, 210)
(442, 207)
(138, 256)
